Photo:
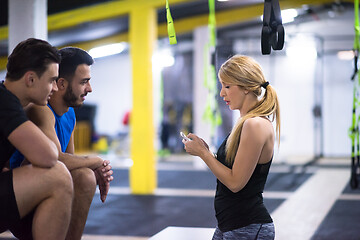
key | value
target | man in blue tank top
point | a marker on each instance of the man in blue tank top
(57, 121)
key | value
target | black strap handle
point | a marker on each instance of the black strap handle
(273, 33)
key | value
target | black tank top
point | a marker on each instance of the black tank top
(236, 210)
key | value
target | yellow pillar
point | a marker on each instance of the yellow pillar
(143, 32)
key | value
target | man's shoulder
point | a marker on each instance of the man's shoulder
(36, 108)
(37, 113)
(7, 97)
(2, 87)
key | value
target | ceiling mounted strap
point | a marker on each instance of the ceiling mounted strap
(273, 33)
(212, 112)
(356, 47)
(354, 128)
(170, 25)
(212, 23)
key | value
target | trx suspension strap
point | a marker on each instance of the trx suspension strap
(354, 129)
(272, 34)
(170, 25)
(212, 112)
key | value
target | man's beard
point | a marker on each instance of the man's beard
(70, 98)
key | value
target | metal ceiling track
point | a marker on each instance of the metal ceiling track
(109, 10)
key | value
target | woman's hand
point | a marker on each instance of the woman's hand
(196, 146)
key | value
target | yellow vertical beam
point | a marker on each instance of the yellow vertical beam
(143, 32)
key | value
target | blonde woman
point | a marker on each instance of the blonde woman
(243, 160)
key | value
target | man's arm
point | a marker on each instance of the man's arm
(103, 173)
(44, 118)
(73, 161)
(34, 145)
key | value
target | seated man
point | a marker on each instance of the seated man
(41, 191)
(57, 121)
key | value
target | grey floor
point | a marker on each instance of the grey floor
(313, 202)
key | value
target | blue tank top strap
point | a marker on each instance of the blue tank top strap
(64, 126)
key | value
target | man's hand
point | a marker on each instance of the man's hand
(103, 178)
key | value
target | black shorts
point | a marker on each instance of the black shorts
(9, 213)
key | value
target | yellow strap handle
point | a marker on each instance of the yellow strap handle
(170, 25)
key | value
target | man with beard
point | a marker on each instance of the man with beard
(57, 121)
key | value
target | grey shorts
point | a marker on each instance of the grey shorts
(265, 231)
